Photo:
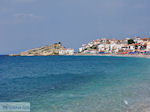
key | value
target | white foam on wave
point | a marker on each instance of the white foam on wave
(126, 102)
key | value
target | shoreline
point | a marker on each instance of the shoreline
(114, 55)
(80, 54)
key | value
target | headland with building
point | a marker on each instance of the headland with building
(135, 46)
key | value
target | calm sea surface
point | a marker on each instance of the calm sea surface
(76, 83)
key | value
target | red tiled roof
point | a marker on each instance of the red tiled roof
(137, 44)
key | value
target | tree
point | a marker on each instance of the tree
(94, 47)
(131, 41)
(59, 42)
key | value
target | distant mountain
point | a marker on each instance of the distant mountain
(43, 51)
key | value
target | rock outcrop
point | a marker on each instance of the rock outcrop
(43, 51)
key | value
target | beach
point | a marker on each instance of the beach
(118, 55)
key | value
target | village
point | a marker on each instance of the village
(136, 45)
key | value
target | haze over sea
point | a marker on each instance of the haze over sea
(76, 83)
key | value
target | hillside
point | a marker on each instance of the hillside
(43, 51)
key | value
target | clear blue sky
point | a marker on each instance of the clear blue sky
(26, 24)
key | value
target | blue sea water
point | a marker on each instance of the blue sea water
(76, 83)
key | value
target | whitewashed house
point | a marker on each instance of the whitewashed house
(137, 40)
(148, 46)
(66, 52)
(101, 47)
(131, 47)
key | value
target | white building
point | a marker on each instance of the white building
(66, 52)
(101, 47)
(148, 46)
(81, 49)
(115, 47)
(137, 40)
(132, 47)
(109, 47)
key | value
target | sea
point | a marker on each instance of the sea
(77, 83)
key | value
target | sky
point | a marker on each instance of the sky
(26, 24)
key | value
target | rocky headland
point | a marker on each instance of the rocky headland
(53, 49)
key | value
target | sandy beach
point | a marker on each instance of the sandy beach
(118, 55)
